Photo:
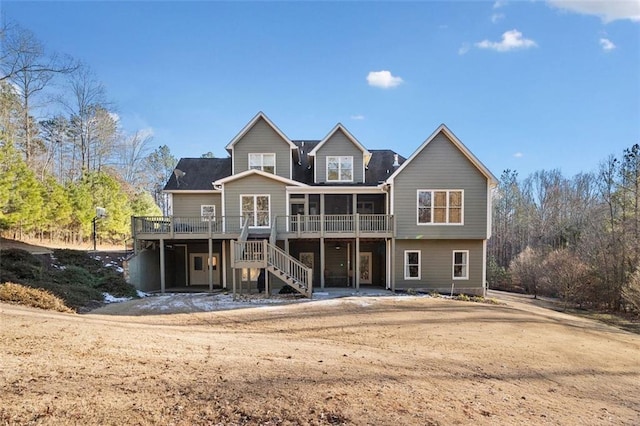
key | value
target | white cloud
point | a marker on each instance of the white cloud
(383, 79)
(511, 40)
(518, 155)
(464, 49)
(608, 11)
(357, 117)
(607, 44)
(496, 17)
(499, 3)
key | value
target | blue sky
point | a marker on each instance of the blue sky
(526, 85)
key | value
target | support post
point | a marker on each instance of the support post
(210, 263)
(322, 262)
(162, 267)
(224, 264)
(357, 266)
(95, 232)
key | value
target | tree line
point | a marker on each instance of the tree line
(575, 238)
(63, 152)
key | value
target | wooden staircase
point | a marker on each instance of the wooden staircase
(262, 254)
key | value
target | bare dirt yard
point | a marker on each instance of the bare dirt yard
(356, 360)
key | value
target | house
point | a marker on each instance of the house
(320, 213)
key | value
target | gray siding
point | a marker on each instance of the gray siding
(188, 205)
(437, 263)
(441, 165)
(338, 144)
(261, 138)
(255, 185)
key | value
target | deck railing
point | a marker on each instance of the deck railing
(186, 225)
(336, 224)
(332, 224)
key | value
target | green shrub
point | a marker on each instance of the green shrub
(34, 297)
(19, 265)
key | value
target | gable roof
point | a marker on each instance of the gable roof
(254, 120)
(259, 173)
(198, 173)
(340, 127)
(458, 144)
(379, 169)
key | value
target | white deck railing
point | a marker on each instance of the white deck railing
(299, 224)
(336, 223)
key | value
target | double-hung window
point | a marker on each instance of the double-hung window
(412, 264)
(339, 168)
(439, 206)
(264, 162)
(256, 210)
(207, 212)
(461, 264)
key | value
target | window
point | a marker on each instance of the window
(435, 207)
(412, 264)
(255, 209)
(264, 162)
(461, 264)
(207, 212)
(340, 169)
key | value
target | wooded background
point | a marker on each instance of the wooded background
(63, 153)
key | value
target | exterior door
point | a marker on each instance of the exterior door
(365, 268)
(199, 269)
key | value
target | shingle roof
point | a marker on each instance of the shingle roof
(380, 165)
(199, 173)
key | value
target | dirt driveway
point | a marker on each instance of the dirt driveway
(374, 360)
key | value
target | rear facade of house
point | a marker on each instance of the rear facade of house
(322, 213)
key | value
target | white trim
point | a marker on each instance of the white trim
(250, 125)
(404, 262)
(328, 189)
(262, 155)
(233, 163)
(432, 223)
(255, 216)
(339, 161)
(453, 265)
(349, 136)
(259, 173)
(489, 209)
(493, 181)
(192, 191)
(484, 268)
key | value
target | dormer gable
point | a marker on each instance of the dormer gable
(262, 145)
(339, 158)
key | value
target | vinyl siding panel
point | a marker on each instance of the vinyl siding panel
(188, 205)
(440, 165)
(436, 268)
(255, 185)
(338, 144)
(261, 138)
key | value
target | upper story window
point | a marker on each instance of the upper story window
(339, 168)
(440, 207)
(264, 162)
(256, 210)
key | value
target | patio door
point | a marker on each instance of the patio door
(365, 268)
(199, 269)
